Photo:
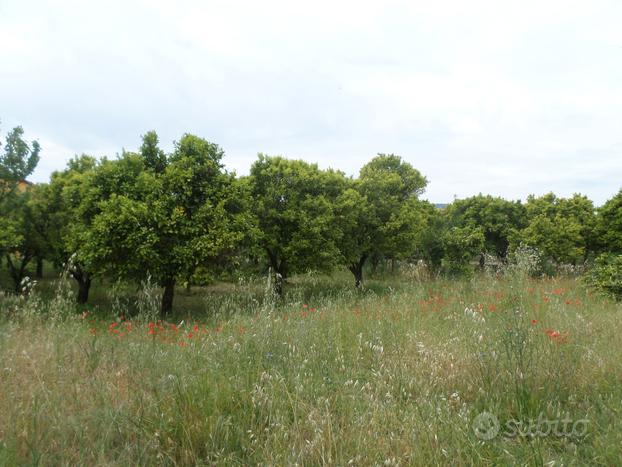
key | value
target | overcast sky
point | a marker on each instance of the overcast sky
(500, 97)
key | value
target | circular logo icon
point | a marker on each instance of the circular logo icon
(486, 426)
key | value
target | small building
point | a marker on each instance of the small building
(21, 186)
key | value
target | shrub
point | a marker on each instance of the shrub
(606, 275)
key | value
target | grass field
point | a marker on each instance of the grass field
(395, 375)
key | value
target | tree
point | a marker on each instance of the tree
(18, 161)
(461, 245)
(357, 230)
(28, 241)
(556, 238)
(561, 229)
(294, 207)
(62, 223)
(609, 225)
(163, 222)
(153, 156)
(499, 219)
(17, 239)
(380, 213)
(430, 245)
(40, 211)
(606, 275)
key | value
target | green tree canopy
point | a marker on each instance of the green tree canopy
(19, 241)
(560, 228)
(499, 219)
(19, 159)
(380, 213)
(294, 205)
(60, 209)
(163, 223)
(460, 246)
(609, 225)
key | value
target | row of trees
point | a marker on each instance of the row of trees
(171, 216)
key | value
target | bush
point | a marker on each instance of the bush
(606, 275)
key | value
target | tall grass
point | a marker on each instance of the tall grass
(394, 375)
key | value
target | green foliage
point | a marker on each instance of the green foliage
(379, 213)
(20, 239)
(10, 235)
(23, 242)
(181, 217)
(430, 247)
(18, 161)
(154, 157)
(164, 223)
(609, 225)
(500, 220)
(64, 204)
(561, 229)
(606, 275)
(60, 210)
(558, 238)
(353, 216)
(388, 174)
(294, 207)
(461, 245)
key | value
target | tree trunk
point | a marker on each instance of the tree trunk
(358, 277)
(357, 270)
(39, 272)
(279, 273)
(188, 284)
(18, 273)
(278, 284)
(374, 265)
(167, 297)
(84, 283)
(84, 286)
(14, 274)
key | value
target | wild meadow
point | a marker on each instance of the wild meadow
(398, 373)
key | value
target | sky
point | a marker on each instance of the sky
(507, 98)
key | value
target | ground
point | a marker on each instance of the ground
(489, 371)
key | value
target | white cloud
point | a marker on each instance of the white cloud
(505, 98)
